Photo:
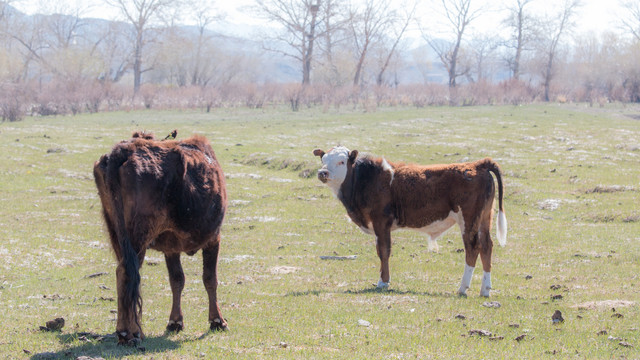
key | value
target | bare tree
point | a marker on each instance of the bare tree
(63, 29)
(142, 14)
(599, 66)
(62, 23)
(111, 47)
(630, 18)
(522, 34)
(300, 19)
(52, 41)
(29, 34)
(551, 32)
(368, 25)
(177, 63)
(334, 35)
(182, 55)
(630, 23)
(4, 7)
(483, 56)
(12, 94)
(69, 50)
(399, 28)
(420, 60)
(459, 14)
(204, 17)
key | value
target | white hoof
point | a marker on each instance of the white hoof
(382, 285)
(485, 290)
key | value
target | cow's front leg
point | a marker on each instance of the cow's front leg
(176, 279)
(210, 279)
(383, 245)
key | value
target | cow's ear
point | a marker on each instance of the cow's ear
(353, 155)
(318, 152)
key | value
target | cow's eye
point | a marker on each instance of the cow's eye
(341, 163)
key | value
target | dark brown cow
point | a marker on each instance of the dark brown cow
(169, 196)
(381, 196)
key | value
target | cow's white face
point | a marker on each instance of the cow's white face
(334, 167)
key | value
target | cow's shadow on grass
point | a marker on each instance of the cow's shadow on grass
(106, 346)
(375, 290)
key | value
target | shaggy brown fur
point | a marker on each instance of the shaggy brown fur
(165, 195)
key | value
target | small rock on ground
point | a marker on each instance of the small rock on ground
(480, 332)
(492, 304)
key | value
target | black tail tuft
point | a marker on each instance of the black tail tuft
(132, 299)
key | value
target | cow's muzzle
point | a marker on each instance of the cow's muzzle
(323, 175)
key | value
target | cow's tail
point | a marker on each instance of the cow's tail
(132, 299)
(501, 226)
(127, 255)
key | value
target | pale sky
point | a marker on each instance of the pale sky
(594, 15)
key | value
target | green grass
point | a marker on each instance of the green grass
(572, 182)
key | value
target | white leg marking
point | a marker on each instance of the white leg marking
(432, 244)
(383, 285)
(485, 290)
(466, 279)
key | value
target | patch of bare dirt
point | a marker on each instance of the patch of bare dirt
(602, 189)
(277, 270)
(604, 305)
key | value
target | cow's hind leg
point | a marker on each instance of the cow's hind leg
(128, 327)
(176, 279)
(484, 245)
(486, 248)
(471, 256)
(210, 279)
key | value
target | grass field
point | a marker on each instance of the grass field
(572, 189)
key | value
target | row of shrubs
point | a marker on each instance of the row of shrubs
(68, 97)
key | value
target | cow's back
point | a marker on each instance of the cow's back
(423, 194)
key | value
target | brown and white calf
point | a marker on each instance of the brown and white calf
(381, 196)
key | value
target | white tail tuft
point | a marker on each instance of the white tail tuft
(501, 230)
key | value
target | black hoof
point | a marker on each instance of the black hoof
(175, 327)
(126, 338)
(134, 342)
(218, 325)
